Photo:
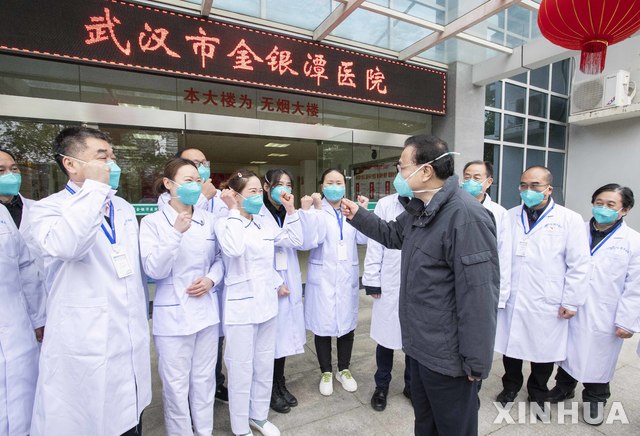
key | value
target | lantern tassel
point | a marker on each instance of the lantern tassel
(593, 56)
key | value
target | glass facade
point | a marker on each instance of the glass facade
(526, 125)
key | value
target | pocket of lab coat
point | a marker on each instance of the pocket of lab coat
(605, 320)
(553, 290)
(84, 328)
(8, 244)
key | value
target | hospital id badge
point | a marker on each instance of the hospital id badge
(121, 263)
(281, 260)
(521, 250)
(342, 251)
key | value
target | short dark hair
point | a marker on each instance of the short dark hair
(239, 179)
(627, 194)
(179, 153)
(170, 170)
(549, 176)
(13, 156)
(273, 176)
(487, 165)
(428, 148)
(328, 170)
(72, 140)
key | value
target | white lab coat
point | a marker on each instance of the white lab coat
(37, 300)
(183, 326)
(331, 293)
(95, 374)
(215, 205)
(175, 260)
(290, 332)
(382, 270)
(552, 273)
(18, 346)
(250, 281)
(504, 228)
(613, 300)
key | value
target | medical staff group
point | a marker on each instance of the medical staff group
(453, 276)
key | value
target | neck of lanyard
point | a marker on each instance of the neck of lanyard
(279, 220)
(192, 220)
(110, 236)
(339, 219)
(543, 216)
(601, 243)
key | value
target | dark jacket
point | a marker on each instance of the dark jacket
(450, 279)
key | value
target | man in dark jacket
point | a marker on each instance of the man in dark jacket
(449, 288)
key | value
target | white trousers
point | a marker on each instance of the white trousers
(248, 355)
(187, 368)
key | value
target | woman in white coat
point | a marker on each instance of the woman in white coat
(290, 332)
(251, 288)
(179, 250)
(18, 346)
(331, 294)
(611, 312)
(381, 280)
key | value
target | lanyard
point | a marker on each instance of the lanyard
(111, 237)
(601, 243)
(522, 213)
(279, 220)
(340, 221)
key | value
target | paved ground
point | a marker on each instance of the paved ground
(346, 413)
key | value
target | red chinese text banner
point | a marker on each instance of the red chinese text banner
(133, 36)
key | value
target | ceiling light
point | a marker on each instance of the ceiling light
(276, 145)
(258, 162)
(277, 155)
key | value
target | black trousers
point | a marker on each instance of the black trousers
(278, 369)
(537, 382)
(384, 362)
(323, 350)
(219, 374)
(443, 405)
(592, 392)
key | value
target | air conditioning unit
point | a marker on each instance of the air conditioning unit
(603, 92)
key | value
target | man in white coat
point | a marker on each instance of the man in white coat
(18, 346)
(381, 280)
(210, 201)
(612, 310)
(19, 207)
(95, 374)
(548, 284)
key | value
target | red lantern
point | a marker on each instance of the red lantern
(590, 26)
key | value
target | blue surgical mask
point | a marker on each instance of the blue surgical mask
(402, 185)
(114, 174)
(275, 193)
(189, 192)
(532, 198)
(205, 172)
(333, 192)
(473, 187)
(252, 204)
(10, 184)
(604, 215)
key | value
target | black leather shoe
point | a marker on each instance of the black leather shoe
(379, 399)
(596, 413)
(222, 394)
(557, 395)
(506, 396)
(288, 396)
(407, 393)
(278, 403)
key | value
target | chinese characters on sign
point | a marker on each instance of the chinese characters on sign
(126, 35)
(243, 101)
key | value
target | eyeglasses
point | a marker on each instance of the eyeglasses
(399, 166)
(533, 186)
(204, 163)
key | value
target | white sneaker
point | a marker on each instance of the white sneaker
(267, 429)
(348, 383)
(326, 384)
